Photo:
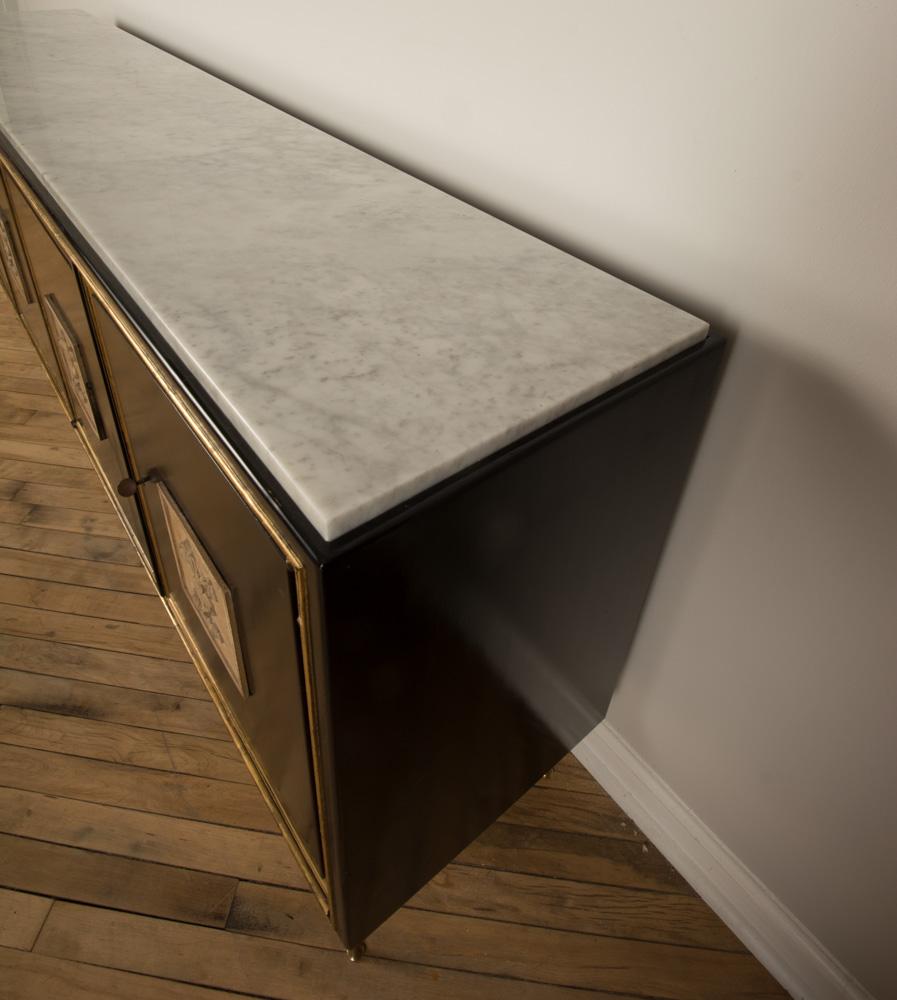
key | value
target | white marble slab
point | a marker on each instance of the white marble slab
(368, 334)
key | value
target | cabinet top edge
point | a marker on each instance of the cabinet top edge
(366, 334)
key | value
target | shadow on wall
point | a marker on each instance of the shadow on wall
(821, 468)
(791, 508)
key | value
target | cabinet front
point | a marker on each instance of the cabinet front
(18, 282)
(230, 584)
(76, 362)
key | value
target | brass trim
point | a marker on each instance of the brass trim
(311, 700)
(294, 842)
(246, 489)
(11, 265)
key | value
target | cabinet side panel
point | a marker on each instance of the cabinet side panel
(475, 643)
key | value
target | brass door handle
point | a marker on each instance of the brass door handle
(128, 486)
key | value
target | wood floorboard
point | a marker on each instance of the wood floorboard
(84, 663)
(28, 386)
(21, 917)
(28, 976)
(46, 495)
(80, 599)
(119, 743)
(108, 703)
(137, 858)
(67, 543)
(40, 473)
(44, 401)
(17, 415)
(82, 572)
(95, 631)
(141, 789)
(57, 432)
(119, 883)
(539, 954)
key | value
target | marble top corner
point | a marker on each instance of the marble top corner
(366, 333)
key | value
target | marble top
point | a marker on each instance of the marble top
(366, 333)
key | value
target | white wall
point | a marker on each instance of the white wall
(739, 159)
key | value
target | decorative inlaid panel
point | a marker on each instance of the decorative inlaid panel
(69, 354)
(11, 260)
(210, 597)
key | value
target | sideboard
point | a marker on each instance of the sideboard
(401, 473)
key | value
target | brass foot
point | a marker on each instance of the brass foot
(355, 954)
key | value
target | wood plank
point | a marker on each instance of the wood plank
(538, 954)
(572, 812)
(24, 356)
(12, 333)
(102, 702)
(21, 345)
(118, 743)
(52, 475)
(81, 600)
(93, 499)
(100, 633)
(44, 401)
(20, 366)
(72, 456)
(30, 386)
(119, 883)
(13, 512)
(107, 524)
(21, 917)
(239, 962)
(82, 572)
(576, 906)
(575, 856)
(36, 977)
(183, 843)
(82, 663)
(569, 774)
(57, 419)
(66, 543)
(15, 415)
(221, 802)
(57, 432)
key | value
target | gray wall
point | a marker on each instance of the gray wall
(739, 159)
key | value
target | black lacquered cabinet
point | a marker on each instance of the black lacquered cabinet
(396, 690)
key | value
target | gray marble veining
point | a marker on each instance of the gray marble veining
(368, 334)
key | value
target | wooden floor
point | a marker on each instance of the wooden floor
(138, 860)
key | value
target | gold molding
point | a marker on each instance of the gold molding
(318, 886)
(233, 472)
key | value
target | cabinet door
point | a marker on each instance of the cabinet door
(78, 363)
(230, 584)
(19, 284)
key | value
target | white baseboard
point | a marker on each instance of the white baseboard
(800, 962)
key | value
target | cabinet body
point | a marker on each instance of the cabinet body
(394, 691)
